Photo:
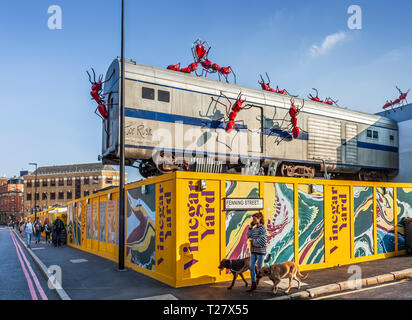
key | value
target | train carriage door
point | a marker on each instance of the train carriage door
(324, 141)
(351, 144)
(254, 124)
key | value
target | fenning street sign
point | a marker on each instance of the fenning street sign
(243, 204)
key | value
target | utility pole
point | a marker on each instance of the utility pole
(122, 158)
(35, 189)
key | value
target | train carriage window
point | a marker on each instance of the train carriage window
(391, 137)
(148, 93)
(163, 96)
(369, 133)
(375, 134)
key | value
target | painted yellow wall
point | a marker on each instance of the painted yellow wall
(191, 235)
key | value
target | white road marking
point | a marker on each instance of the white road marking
(360, 290)
(78, 260)
(160, 297)
(40, 248)
(284, 283)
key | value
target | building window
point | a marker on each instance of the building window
(52, 196)
(148, 93)
(69, 195)
(109, 180)
(44, 196)
(29, 197)
(163, 96)
(61, 195)
(53, 183)
(95, 180)
(61, 182)
(37, 196)
(37, 184)
(29, 184)
(86, 193)
(69, 182)
(86, 181)
(44, 184)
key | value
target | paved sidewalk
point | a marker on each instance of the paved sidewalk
(89, 277)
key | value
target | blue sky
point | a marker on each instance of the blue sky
(46, 112)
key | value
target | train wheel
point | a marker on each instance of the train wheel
(147, 168)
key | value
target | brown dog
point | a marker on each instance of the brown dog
(237, 267)
(276, 272)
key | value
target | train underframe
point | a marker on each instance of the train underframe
(166, 162)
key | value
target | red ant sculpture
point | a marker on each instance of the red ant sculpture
(266, 86)
(293, 129)
(236, 107)
(399, 100)
(293, 112)
(200, 51)
(328, 100)
(96, 93)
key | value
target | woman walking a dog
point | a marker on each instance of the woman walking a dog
(257, 237)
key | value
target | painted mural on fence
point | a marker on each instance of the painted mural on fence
(89, 222)
(78, 223)
(102, 221)
(404, 210)
(95, 221)
(111, 221)
(237, 222)
(363, 221)
(280, 222)
(140, 235)
(385, 227)
(311, 224)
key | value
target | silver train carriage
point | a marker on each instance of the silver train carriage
(177, 121)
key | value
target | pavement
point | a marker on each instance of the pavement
(20, 278)
(85, 276)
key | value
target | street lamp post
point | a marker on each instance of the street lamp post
(122, 158)
(35, 189)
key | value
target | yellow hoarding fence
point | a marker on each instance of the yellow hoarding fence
(179, 226)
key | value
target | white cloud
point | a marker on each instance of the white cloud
(328, 43)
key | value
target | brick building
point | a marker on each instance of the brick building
(56, 185)
(11, 199)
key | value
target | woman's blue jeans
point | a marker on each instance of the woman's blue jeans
(253, 259)
(28, 238)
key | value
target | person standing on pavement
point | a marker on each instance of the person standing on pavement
(29, 230)
(47, 231)
(257, 237)
(57, 231)
(38, 230)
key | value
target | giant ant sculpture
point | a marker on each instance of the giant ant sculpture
(227, 120)
(401, 100)
(200, 51)
(328, 100)
(266, 86)
(97, 95)
(292, 131)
